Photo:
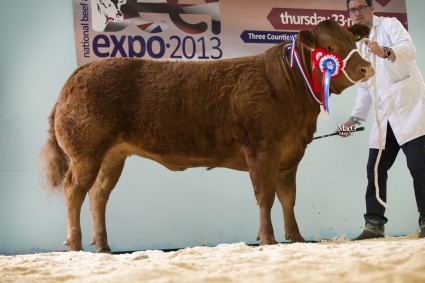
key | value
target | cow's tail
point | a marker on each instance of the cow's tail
(54, 162)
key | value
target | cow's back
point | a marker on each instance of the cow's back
(189, 109)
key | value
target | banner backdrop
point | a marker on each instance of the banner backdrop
(201, 29)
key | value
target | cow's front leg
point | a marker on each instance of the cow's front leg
(262, 169)
(265, 201)
(286, 192)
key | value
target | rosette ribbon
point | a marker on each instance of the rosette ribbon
(330, 64)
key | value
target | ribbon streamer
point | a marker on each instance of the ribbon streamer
(325, 91)
(294, 57)
(315, 56)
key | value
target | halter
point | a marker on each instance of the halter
(329, 63)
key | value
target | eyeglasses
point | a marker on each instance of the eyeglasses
(361, 8)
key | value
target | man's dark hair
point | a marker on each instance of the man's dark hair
(368, 3)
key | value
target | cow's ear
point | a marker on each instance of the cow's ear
(306, 37)
(359, 31)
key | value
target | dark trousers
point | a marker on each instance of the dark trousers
(414, 151)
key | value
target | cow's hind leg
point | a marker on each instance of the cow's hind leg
(78, 180)
(262, 170)
(286, 193)
(110, 172)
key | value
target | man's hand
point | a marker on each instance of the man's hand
(347, 125)
(374, 47)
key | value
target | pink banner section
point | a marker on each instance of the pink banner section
(298, 19)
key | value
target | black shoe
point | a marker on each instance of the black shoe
(422, 233)
(365, 235)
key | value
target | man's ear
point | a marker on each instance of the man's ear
(359, 31)
(306, 37)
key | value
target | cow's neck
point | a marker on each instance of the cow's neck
(305, 76)
(289, 85)
(295, 69)
(300, 58)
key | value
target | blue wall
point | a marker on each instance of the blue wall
(152, 207)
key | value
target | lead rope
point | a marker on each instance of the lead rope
(378, 121)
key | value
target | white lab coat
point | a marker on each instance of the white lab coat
(399, 84)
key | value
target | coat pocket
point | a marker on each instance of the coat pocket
(402, 93)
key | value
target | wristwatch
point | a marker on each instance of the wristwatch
(387, 51)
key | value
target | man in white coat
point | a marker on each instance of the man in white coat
(400, 95)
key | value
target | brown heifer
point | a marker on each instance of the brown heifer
(253, 114)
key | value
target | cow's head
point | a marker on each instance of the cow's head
(330, 37)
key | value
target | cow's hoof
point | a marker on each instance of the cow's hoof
(267, 241)
(101, 246)
(71, 247)
(297, 239)
(104, 251)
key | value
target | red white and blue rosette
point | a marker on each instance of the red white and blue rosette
(330, 64)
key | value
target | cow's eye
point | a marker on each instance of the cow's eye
(330, 48)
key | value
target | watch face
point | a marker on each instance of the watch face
(387, 51)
